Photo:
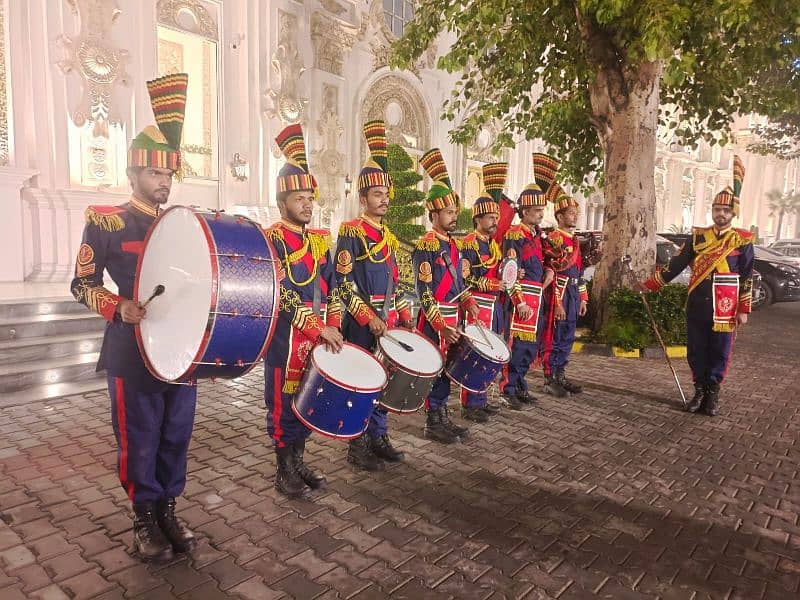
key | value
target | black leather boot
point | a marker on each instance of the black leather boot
(287, 480)
(180, 536)
(570, 386)
(697, 401)
(360, 454)
(491, 409)
(553, 387)
(148, 539)
(711, 407)
(382, 447)
(313, 480)
(511, 402)
(475, 414)
(526, 397)
(435, 429)
(444, 415)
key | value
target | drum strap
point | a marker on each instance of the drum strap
(317, 302)
(387, 301)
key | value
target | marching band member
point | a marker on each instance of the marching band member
(523, 242)
(566, 299)
(720, 292)
(440, 280)
(152, 420)
(481, 256)
(309, 312)
(367, 272)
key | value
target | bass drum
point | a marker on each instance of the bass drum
(219, 307)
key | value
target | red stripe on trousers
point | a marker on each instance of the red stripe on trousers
(277, 406)
(123, 436)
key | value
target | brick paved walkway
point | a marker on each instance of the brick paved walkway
(615, 494)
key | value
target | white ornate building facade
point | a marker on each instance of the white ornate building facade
(72, 95)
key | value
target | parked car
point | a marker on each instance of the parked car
(787, 247)
(780, 275)
(665, 249)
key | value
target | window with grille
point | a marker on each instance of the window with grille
(398, 14)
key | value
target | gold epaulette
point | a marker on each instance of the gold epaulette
(351, 229)
(469, 242)
(274, 233)
(514, 232)
(746, 235)
(391, 239)
(320, 241)
(107, 218)
(428, 242)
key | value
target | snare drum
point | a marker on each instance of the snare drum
(338, 391)
(411, 374)
(474, 363)
(219, 307)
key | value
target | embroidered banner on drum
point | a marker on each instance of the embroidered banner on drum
(485, 308)
(526, 330)
(299, 349)
(726, 299)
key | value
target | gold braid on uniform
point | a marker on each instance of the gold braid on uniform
(428, 243)
(302, 315)
(104, 222)
(388, 240)
(319, 245)
(95, 297)
(514, 234)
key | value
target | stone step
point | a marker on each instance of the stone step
(20, 376)
(33, 326)
(11, 309)
(53, 390)
(44, 348)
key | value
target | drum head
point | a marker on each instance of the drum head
(509, 269)
(425, 359)
(353, 368)
(177, 256)
(496, 350)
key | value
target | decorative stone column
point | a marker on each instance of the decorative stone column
(12, 180)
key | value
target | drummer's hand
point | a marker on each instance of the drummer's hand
(130, 311)
(376, 326)
(561, 314)
(582, 309)
(638, 286)
(524, 311)
(407, 324)
(333, 339)
(451, 335)
(472, 311)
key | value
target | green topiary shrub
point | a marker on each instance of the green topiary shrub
(409, 202)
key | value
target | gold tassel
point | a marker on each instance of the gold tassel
(514, 234)
(104, 222)
(524, 336)
(724, 327)
(290, 387)
(429, 243)
(469, 244)
(351, 231)
(319, 244)
(275, 234)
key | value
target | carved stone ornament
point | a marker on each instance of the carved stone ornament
(332, 6)
(287, 105)
(331, 40)
(187, 15)
(99, 64)
(407, 121)
(327, 163)
(4, 134)
(481, 147)
(380, 38)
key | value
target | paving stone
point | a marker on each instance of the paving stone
(297, 585)
(136, 580)
(88, 585)
(255, 589)
(227, 573)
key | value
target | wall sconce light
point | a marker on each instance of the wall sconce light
(348, 185)
(239, 168)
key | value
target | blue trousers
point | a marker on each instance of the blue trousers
(523, 353)
(472, 399)
(707, 351)
(283, 426)
(559, 335)
(361, 336)
(153, 430)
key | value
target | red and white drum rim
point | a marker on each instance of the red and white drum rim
(344, 384)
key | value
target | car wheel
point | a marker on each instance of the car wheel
(768, 296)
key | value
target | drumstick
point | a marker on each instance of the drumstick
(157, 291)
(483, 333)
(403, 345)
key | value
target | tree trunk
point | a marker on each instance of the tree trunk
(625, 105)
(780, 225)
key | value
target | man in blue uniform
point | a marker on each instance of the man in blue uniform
(309, 312)
(367, 272)
(481, 257)
(441, 289)
(523, 243)
(720, 292)
(152, 420)
(566, 299)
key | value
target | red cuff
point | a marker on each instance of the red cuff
(363, 314)
(404, 315)
(108, 306)
(468, 301)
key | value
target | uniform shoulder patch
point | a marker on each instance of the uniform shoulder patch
(107, 218)
(425, 272)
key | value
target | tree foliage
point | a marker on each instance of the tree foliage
(408, 202)
(782, 205)
(531, 65)
(779, 137)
